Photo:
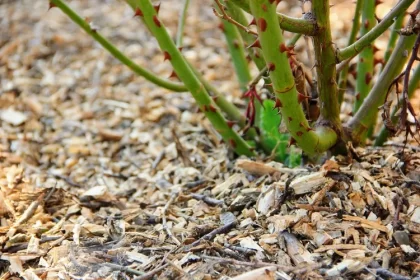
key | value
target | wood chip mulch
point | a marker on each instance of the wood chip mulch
(105, 176)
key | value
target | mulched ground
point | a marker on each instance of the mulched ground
(93, 185)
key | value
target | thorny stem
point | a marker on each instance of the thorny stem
(364, 67)
(295, 25)
(181, 23)
(363, 119)
(412, 86)
(273, 47)
(325, 66)
(148, 14)
(379, 29)
(255, 53)
(393, 38)
(236, 48)
(114, 51)
(227, 107)
(342, 84)
(226, 17)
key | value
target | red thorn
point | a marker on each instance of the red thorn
(309, 129)
(230, 123)
(232, 143)
(368, 78)
(378, 61)
(262, 24)
(52, 5)
(283, 48)
(269, 85)
(375, 48)
(173, 75)
(378, 2)
(180, 49)
(253, 22)
(235, 44)
(138, 13)
(358, 96)
(366, 24)
(302, 97)
(256, 44)
(264, 7)
(166, 56)
(156, 21)
(299, 133)
(221, 26)
(414, 13)
(301, 124)
(292, 141)
(212, 108)
(271, 66)
(204, 108)
(290, 119)
(278, 104)
(214, 98)
(157, 8)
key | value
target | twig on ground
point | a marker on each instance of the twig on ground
(242, 250)
(388, 274)
(195, 184)
(209, 200)
(317, 208)
(123, 268)
(180, 149)
(158, 159)
(213, 233)
(66, 179)
(179, 269)
(304, 267)
(229, 253)
(152, 273)
(164, 224)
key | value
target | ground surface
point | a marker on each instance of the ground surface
(93, 185)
